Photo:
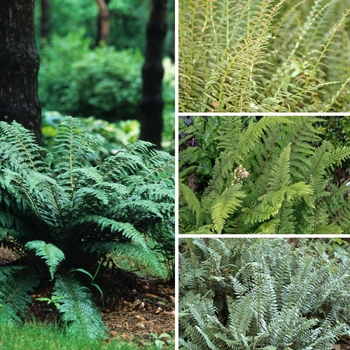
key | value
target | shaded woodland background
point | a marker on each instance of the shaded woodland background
(94, 57)
(87, 72)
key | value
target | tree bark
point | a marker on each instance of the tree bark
(45, 20)
(152, 103)
(19, 66)
(102, 22)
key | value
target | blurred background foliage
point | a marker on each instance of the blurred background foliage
(104, 82)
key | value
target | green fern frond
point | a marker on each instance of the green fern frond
(50, 253)
(192, 200)
(225, 205)
(16, 284)
(73, 149)
(78, 309)
(21, 142)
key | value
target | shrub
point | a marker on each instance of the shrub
(104, 83)
(274, 176)
(60, 212)
(260, 294)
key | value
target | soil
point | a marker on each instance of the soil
(132, 307)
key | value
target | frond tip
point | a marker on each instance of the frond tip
(49, 252)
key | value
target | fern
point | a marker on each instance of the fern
(16, 283)
(260, 294)
(258, 56)
(282, 169)
(78, 309)
(73, 213)
(52, 255)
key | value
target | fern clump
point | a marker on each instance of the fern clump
(256, 293)
(62, 212)
(263, 56)
(273, 175)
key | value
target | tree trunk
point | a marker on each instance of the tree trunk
(45, 20)
(102, 22)
(19, 66)
(152, 74)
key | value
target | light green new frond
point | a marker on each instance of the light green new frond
(271, 203)
(280, 173)
(78, 310)
(49, 252)
(225, 205)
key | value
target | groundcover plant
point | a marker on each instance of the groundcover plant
(64, 216)
(268, 175)
(264, 55)
(262, 294)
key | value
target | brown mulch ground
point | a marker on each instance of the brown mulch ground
(132, 307)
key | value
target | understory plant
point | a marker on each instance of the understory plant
(260, 294)
(272, 176)
(263, 55)
(64, 216)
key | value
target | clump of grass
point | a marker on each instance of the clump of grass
(50, 337)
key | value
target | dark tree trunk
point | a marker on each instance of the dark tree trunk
(171, 51)
(45, 20)
(19, 65)
(152, 74)
(102, 22)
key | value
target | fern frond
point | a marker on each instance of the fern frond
(50, 253)
(19, 150)
(225, 205)
(16, 284)
(73, 149)
(192, 201)
(78, 309)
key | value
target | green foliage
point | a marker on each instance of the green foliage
(109, 136)
(249, 294)
(16, 284)
(51, 337)
(50, 253)
(128, 20)
(78, 309)
(263, 56)
(337, 130)
(272, 176)
(103, 83)
(59, 203)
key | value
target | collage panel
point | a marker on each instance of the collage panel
(263, 56)
(264, 175)
(264, 293)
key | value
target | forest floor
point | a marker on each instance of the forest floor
(132, 307)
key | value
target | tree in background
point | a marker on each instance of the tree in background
(19, 66)
(45, 20)
(102, 22)
(152, 74)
